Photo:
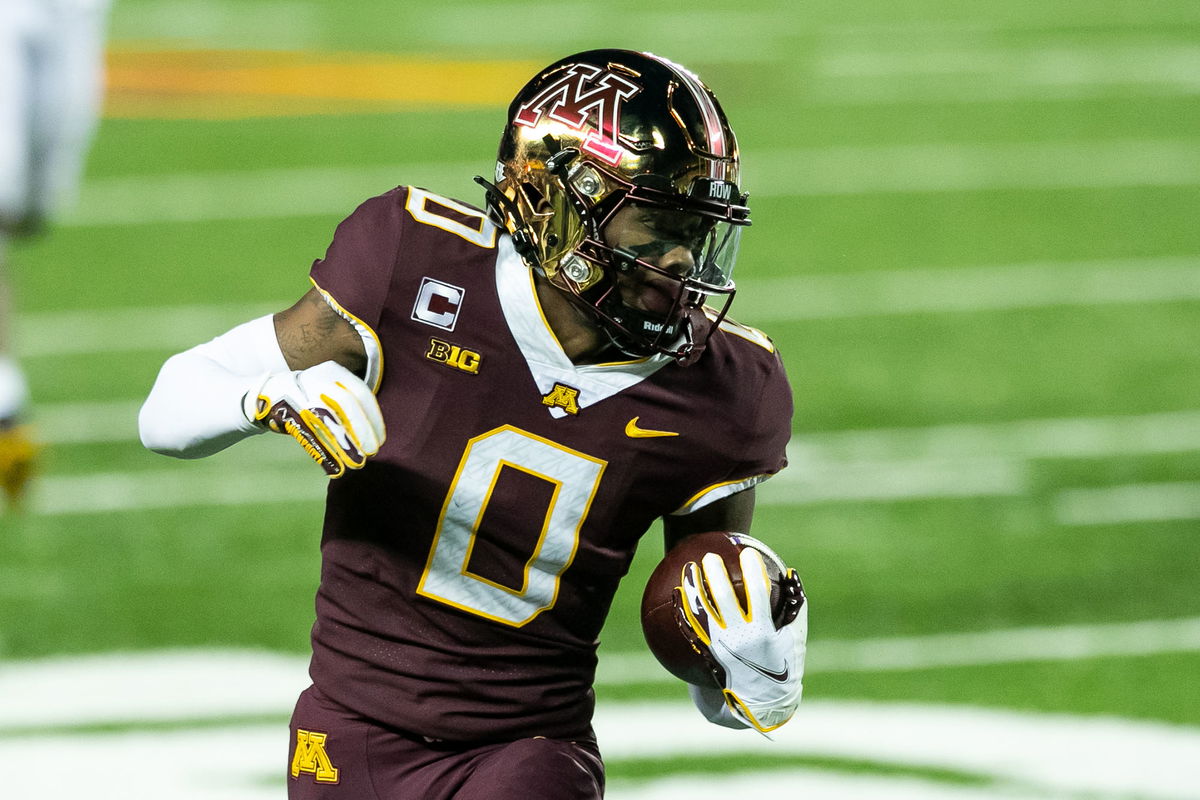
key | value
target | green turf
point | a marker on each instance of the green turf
(244, 576)
(633, 769)
(266, 143)
(1081, 361)
(1155, 688)
(123, 581)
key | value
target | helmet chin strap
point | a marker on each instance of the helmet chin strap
(649, 327)
(686, 335)
(695, 331)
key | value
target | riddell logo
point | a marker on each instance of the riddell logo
(580, 91)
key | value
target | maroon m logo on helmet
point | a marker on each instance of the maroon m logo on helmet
(579, 92)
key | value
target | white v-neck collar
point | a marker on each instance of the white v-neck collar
(543, 354)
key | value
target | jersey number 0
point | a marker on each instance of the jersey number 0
(574, 478)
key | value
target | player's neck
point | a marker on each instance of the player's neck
(574, 328)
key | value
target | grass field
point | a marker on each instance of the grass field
(975, 242)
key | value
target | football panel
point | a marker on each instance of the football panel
(668, 637)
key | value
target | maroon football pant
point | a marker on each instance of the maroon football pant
(337, 755)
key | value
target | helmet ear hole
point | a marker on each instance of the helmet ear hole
(582, 273)
(589, 183)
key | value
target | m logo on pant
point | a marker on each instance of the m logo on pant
(310, 757)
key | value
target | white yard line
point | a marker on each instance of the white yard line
(1044, 754)
(122, 330)
(978, 460)
(799, 172)
(1142, 502)
(275, 25)
(971, 63)
(1052, 284)
(1042, 644)
(980, 475)
(739, 34)
(970, 167)
(257, 194)
(746, 36)
(145, 687)
(1017, 755)
(768, 300)
(1164, 63)
(864, 93)
(1000, 19)
(225, 483)
(1159, 60)
(981, 460)
(902, 653)
(130, 687)
(97, 422)
(811, 783)
(941, 461)
(1066, 437)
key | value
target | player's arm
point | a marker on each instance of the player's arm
(311, 332)
(290, 373)
(732, 513)
(759, 667)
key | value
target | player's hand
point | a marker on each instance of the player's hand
(30, 223)
(758, 665)
(328, 409)
(18, 458)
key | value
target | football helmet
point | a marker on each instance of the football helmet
(599, 132)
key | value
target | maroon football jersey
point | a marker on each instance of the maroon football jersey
(468, 568)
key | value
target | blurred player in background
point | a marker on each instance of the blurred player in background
(509, 399)
(51, 83)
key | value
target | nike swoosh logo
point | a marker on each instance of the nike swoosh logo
(634, 432)
(778, 677)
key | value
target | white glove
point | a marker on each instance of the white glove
(762, 665)
(328, 409)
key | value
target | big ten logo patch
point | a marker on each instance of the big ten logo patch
(438, 304)
(311, 757)
(453, 356)
(564, 397)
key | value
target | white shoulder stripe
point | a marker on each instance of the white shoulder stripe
(744, 331)
(711, 494)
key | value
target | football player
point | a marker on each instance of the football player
(51, 57)
(509, 398)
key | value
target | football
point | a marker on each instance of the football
(668, 636)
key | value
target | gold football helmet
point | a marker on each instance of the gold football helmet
(599, 131)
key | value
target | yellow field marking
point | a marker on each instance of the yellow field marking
(221, 84)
